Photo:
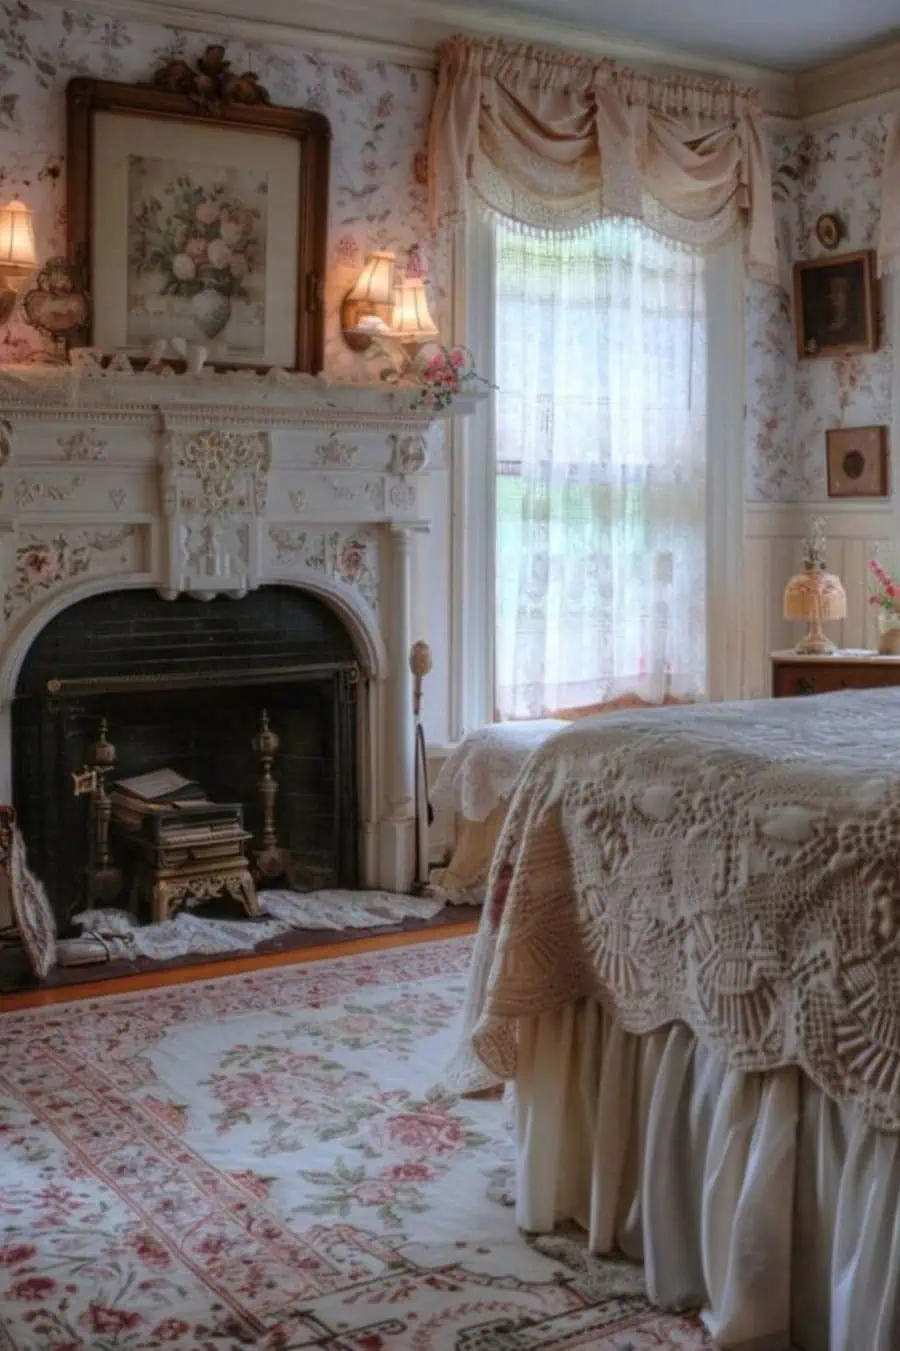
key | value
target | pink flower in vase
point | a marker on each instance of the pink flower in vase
(207, 212)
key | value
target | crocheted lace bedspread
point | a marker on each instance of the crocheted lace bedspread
(481, 772)
(735, 867)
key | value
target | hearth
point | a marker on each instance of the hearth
(183, 684)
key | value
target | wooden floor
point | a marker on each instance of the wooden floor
(209, 969)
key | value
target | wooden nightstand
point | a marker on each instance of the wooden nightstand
(794, 674)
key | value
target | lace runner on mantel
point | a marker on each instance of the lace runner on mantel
(735, 867)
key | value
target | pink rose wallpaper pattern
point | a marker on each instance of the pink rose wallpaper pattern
(378, 112)
(791, 403)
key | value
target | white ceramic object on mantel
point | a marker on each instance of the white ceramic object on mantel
(192, 354)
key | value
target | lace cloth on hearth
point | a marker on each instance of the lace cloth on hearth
(734, 867)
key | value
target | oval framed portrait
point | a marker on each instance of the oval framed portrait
(828, 231)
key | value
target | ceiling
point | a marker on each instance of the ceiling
(780, 34)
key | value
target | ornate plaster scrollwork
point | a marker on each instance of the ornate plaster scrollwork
(85, 445)
(410, 454)
(5, 442)
(350, 489)
(47, 557)
(214, 489)
(30, 491)
(403, 495)
(334, 451)
(6, 447)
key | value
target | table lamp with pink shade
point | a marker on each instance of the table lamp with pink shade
(814, 595)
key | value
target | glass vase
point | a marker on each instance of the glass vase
(888, 634)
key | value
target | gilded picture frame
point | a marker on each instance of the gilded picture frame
(835, 305)
(197, 211)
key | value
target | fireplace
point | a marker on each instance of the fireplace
(183, 684)
(177, 495)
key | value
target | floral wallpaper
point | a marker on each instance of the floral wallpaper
(377, 111)
(791, 403)
(770, 351)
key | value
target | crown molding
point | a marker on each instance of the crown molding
(407, 31)
(860, 79)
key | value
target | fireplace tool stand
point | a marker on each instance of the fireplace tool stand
(420, 665)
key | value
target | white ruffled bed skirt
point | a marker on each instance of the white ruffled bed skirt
(754, 1196)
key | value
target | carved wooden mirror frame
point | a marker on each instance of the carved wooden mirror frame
(209, 93)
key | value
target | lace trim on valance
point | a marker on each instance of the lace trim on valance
(499, 194)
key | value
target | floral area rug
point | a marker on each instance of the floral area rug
(266, 1161)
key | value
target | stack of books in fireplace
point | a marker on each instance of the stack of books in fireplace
(171, 818)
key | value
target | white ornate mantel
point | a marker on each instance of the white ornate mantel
(214, 485)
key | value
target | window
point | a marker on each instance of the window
(600, 363)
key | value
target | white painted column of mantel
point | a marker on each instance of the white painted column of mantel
(398, 823)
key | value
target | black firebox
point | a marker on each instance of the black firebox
(182, 685)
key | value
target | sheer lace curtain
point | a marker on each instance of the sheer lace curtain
(601, 445)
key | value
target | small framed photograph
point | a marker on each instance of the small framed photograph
(835, 308)
(198, 211)
(857, 461)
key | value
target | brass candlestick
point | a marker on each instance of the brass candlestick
(104, 878)
(270, 860)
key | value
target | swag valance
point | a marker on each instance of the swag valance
(557, 141)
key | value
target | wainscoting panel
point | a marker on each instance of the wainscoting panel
(773, 552)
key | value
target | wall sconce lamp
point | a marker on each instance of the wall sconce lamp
(367, 307)
(376, 310)
(411, 321)
(18, 254)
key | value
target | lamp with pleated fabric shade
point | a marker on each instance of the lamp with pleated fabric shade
(368, 305)
(814, 595)
(411, 320)
(18, 253)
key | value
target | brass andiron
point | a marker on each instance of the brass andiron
(104, 878)
(270, 860)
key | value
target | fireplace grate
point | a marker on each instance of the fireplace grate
(183, 684)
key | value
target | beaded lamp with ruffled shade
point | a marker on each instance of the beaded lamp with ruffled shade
(815, 596)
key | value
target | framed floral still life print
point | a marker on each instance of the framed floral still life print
(835, 308)
(198, 212)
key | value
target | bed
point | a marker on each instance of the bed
(474, 788)
(688, 965)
